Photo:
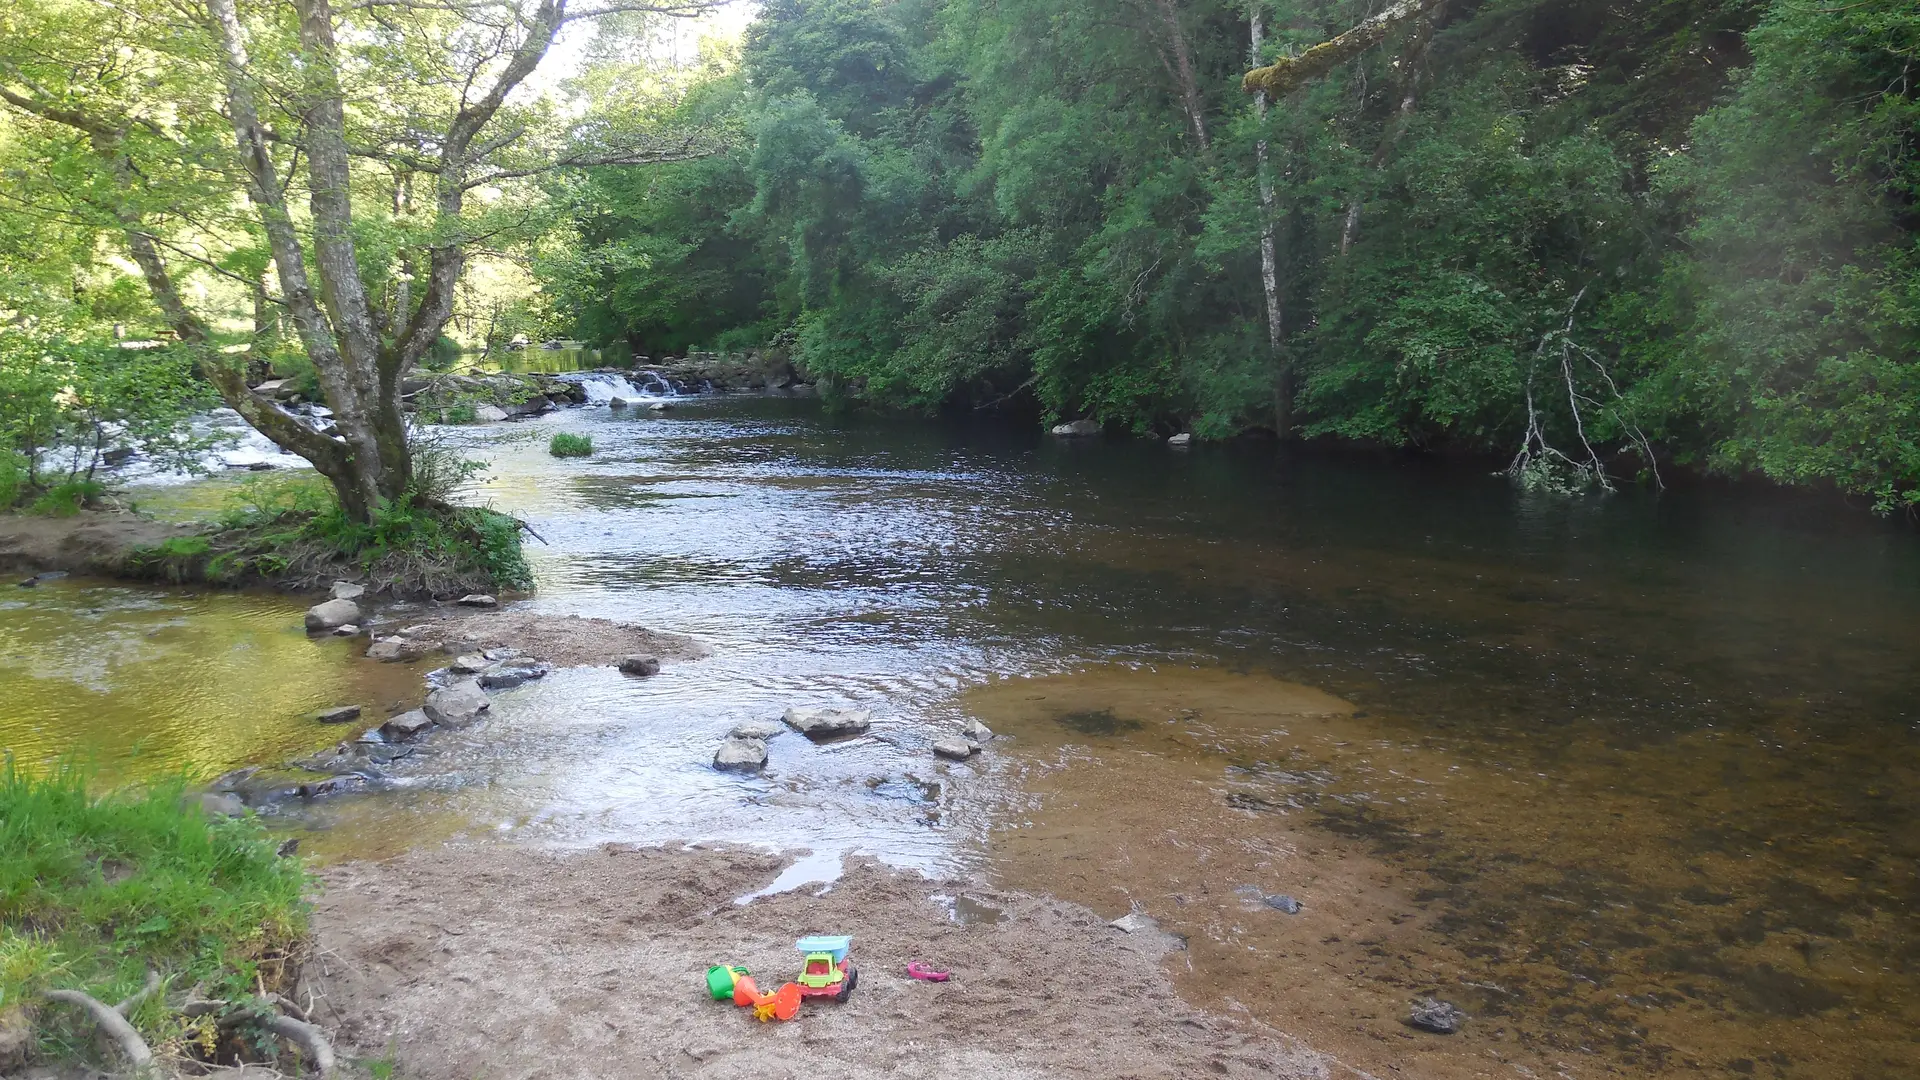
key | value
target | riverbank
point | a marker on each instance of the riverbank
(607, 951)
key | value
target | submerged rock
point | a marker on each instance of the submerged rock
(338, 715)
(506, 677)
(741, 755)
(332, 614)
(346, 630)
(1439, 1017)
(456, 705)
(1077, 428)
(639, 664)
(1282, 902)
(825, 723)
(955, 748)
(221, 804)
(660, 406)
(757, 729)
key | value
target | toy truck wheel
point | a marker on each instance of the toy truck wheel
(846, 988)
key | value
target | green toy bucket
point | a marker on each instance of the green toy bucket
(720, 980)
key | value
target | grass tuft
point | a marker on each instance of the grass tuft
(98, 889)
(565, 445)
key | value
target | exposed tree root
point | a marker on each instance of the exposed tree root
(312, 1043)
(113, 1022)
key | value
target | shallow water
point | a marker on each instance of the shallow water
(1632, 780)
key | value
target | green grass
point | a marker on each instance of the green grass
(565, 445)
(66, 499)
(96, 890)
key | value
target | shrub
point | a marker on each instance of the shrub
(565, 445)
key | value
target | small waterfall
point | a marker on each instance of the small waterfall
(604, 386)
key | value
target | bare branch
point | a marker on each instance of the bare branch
(1288, 74)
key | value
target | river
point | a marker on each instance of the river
(1631, 780)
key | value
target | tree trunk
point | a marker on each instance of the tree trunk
(1269, 248)
(1181, 68)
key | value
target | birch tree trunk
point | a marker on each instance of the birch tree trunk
(1269, 247)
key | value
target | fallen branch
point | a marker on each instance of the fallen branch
(1289, 73)
(133, 1000)
(113, 1024)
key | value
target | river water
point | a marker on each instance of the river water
(1632, 781)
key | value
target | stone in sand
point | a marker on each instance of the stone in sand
(338, 715)
(406, 725)
(1439, 1017)
(741, 755)
(1282, 902)
(478, 599)
(757, 729)
(1135, 922)
(348, 590)
(957, 749)
(639, 664)
(331, 614)
(825, 723)
(456, 705)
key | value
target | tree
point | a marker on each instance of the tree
(418, 100)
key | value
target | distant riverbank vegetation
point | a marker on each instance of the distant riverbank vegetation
(1602, 243)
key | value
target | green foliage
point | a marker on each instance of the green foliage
(566, 445)
(943, 202)
(97, 890)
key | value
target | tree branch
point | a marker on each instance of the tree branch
(1288, 74)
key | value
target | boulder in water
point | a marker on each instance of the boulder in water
(1077, 428)
(340, 715)
(406, 725)
(761, 730)
(456, 705)
(826, 723)
(394, 650)
(660, 406)
(331, 614)
(1183, 439)
(348, 590)
(741, 755)
(510, 675)
(617, 403)
(977, 731)
(477, 600)
(469, 664)
(639, 664)
(954, 748)
(489, 414)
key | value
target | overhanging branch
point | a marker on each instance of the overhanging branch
(1288, 74)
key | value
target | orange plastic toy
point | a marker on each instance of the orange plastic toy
(782, 1004)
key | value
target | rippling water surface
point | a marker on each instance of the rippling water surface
(1631, 780)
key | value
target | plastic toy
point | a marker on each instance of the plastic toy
(926, 974)
(825, 971)
(782, 1004)
(721, 980)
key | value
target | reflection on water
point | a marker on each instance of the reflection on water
(143, 683)
(1630, 780)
